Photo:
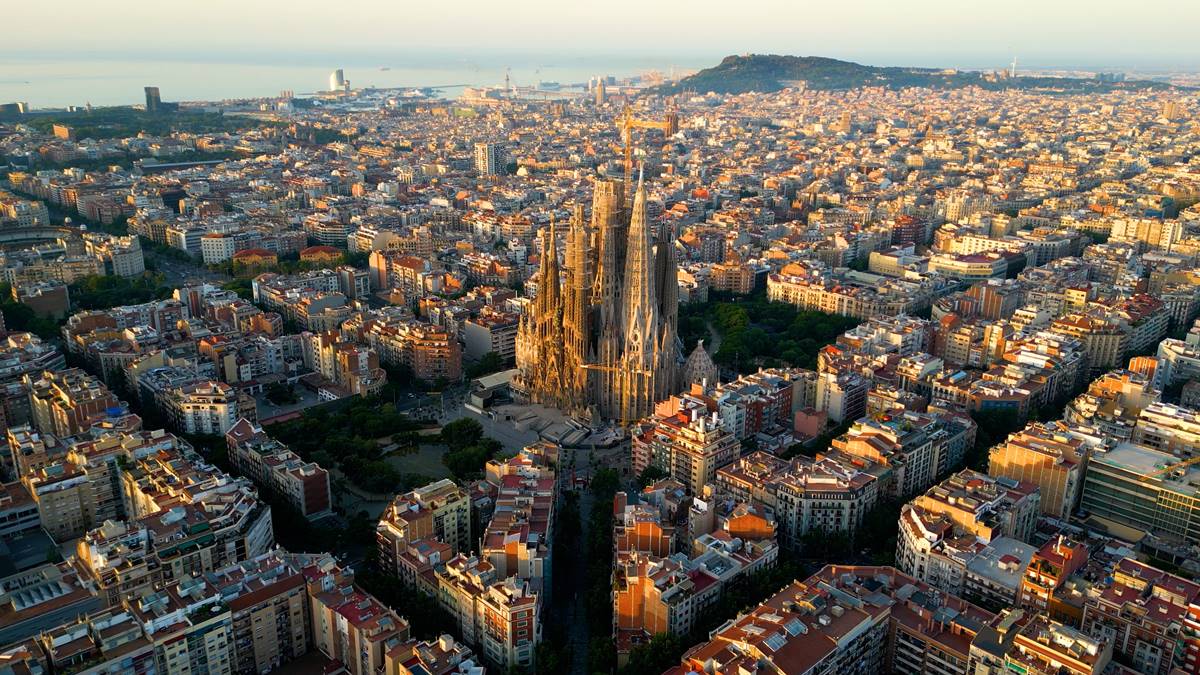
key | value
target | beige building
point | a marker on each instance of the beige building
(1169, 428)
(68, 402)
(349, 625)
(943, 531)
(1047, 457)
(831, 494)
(441, 510)
(500, 618)
(689, 446)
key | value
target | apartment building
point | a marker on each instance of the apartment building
(501, 618)
(1113, 403)
(69, 402)
(1169, 428)
(517, 539)
(942, 531)
(18, 511)
(205, 407)
(304, 485)
(25, 353)
(764, 400)
(994, 575)
(842, 395)
(642, 527)
(352, 367)
(443, 656)
(689, 445)
(432, 352)
(908, 443)
(656, 593)
(830, 494)
(1149, 616)
(121, 255)
(861, 297)
(1047, 457)
(118, 559)
(439, 511)
(829, 624)
(492, 331)
(197, 517)
(1049, 573)
(349, 625)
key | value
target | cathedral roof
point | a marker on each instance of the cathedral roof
(699, 365)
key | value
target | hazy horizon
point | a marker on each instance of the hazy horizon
(433, 57)
(244, 50)
(1080, 34)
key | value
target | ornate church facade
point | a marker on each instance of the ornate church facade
(601, 337)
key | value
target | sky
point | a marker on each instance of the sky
(959, 33)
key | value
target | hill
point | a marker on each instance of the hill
(772, 72)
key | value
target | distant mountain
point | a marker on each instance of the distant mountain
(771, 72)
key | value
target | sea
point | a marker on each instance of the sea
(64, 81)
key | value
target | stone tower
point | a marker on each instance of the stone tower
(605, 341)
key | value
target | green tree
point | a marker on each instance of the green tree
(650, 475)
(461, 432)
(652, 658)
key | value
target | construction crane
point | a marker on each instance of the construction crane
(1171, 467)
(602, 368)
(627, 123)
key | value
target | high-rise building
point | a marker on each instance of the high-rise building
(337, 80)
(1173, 110)
(605, 341)
(489, 159)
(153, 100)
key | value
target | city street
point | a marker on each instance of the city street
(178, 273)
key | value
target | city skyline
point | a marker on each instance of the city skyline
(621, 339)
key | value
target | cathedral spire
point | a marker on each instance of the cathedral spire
(666, 277)
(639, 364)
(550, 281)
(638, 296)
(606, 293)
(606, 339)
(575, 308)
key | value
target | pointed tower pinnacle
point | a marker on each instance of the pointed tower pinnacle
(575, 312)
(550, 283)
(639, 296)
(639, 364)
(606, 295)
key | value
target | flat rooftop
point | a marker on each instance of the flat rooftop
(1142, 460)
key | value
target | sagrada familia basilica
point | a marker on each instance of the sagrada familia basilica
(602, 340)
